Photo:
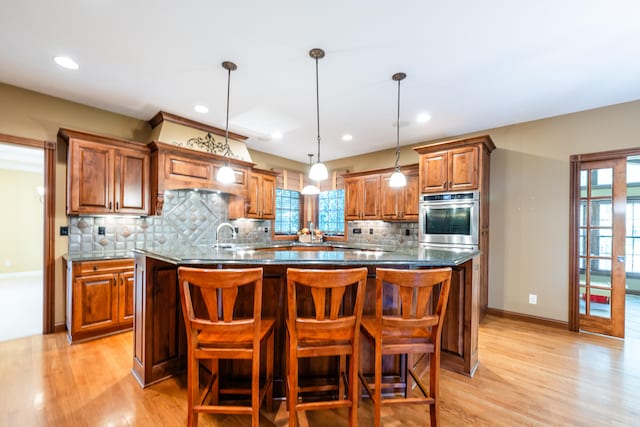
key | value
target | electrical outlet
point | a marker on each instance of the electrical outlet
(101, 231)
(64, 230)
(371, 231)
(357, 231)
(407, 232)
(533, 299)
(266, 229)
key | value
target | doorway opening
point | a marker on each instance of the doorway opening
(21, 251)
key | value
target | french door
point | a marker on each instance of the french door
(598, 247)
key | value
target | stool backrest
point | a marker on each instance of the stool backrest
(218, 289)
(414, 307)
(333, 313)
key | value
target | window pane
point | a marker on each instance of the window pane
(331, 212)
(601, 182)
(287, 211)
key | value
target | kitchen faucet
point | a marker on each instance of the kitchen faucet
(220, 227)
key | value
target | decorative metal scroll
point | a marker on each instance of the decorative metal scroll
(210, 145)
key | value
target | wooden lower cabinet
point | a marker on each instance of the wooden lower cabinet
(160, 340)
(99, 298)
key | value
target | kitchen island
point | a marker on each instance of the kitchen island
(159, 332)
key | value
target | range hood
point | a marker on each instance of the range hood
(191, 161)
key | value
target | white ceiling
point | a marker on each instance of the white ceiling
(471, 64)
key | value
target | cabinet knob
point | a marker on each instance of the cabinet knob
(95, 268)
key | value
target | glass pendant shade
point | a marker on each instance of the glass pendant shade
(226, 175)
(397, 179)
(318, 172)
(310, 190)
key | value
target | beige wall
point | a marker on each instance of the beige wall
(529, 185)
(33, 115)
(22, 217)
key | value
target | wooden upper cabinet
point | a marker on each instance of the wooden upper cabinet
(362, 197)
(451, 170)
(90, 177)
(261, 195)
(132, 182)
(400, 204)
(106, 176)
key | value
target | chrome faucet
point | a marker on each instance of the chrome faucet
(220, 227)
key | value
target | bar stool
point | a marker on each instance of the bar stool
(215, 332)
(327, 325)
(410, 324)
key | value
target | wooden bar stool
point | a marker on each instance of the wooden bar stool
(410, 323)
(214, 332)
(327, 326)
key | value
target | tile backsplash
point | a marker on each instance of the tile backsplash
(189, 217)
(384, 233)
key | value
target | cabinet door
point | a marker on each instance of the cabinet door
(253, 205)
(433, 169)
(411, 198)
(125, 297)
(268, 197)
(352, 195)
(95, 302)
(132, 185)
(463, 169)
(90, 178)
(390, 208)
(371, 197)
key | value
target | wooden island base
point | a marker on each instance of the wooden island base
(159, 332)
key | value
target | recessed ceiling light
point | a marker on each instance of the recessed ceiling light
(347, 137)
(66, 62)
(276, 135)
(423, 117)
(201, 109)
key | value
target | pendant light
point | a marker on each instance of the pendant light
(318, 171)
(397, 178)
(310, 189)
(225, 174)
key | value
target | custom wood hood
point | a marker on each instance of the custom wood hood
(174, 168)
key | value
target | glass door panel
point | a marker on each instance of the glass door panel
(601, 240)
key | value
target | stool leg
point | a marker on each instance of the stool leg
(255, 388)
(377, 393)
(293, 387)
(434, 385)
(193, 389)
(270, 373)
(342, 368)
(215, 387)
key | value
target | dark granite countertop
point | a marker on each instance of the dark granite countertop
(98, 255)
(341, 253)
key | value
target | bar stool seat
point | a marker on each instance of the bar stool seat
(215, 331)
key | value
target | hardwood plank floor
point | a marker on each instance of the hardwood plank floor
(529, 375)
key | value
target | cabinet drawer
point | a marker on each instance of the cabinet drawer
(102, 266)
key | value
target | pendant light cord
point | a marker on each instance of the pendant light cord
(318, 108)
(226, 132)
(398, 130)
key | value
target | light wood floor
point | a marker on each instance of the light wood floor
(529, 375)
